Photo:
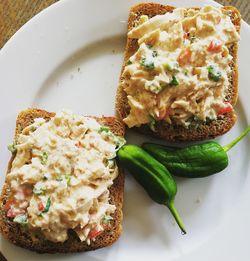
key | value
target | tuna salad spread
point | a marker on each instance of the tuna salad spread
(60, 177)
(181, 69)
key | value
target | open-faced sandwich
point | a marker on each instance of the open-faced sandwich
(63, 190)
(179, 79)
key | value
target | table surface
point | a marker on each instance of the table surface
(15, 13)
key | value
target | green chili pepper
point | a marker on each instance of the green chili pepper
(194, 161)
(153, 176)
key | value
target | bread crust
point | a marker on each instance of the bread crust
(171, 132)
(20, 237)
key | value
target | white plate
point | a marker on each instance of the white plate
(69, 56)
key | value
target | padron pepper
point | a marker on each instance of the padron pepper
(152, 175)
(194, 161)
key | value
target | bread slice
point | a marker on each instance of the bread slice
(18, 236)
(173, 132)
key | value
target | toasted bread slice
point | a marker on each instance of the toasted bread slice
(172, 132)
(18, 236)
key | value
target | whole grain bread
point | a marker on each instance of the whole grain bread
(172, 132)
(21, 237)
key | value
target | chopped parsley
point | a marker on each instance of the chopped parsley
(68, 179)
(174, 81)
(149, 46)
(21, 219)
(47, 205)
(44, 158)
(192, 39)
(59, 178)
(149, 65)
(213, 74)
(12, 147)
(154, 53)
(106, 219)
(129, 62)
(45, 176)
(33, 128)
(168, 67)
(38, 191)
(104, 129)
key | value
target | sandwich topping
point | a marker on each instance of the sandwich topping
(181, 70)
(60, 177)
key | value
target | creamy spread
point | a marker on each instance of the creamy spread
(181, 69)
(60, 177)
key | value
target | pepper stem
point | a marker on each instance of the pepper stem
(235, 141)
(176, 216)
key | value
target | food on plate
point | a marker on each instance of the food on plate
(63, 190)
(153, 176)
(179, 79)
(196, 161)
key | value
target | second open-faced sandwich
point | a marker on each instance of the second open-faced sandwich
(179, 79)
(63, 190)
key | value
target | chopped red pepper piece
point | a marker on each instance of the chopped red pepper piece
(215, 46)
(184, 56)
(41, 206)
(94, 233)
(27, 191)
(8, 204)
(11, 213)
(225, 110)
(185, 35)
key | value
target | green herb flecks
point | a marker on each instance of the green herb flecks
(59, 178)
(106, 219)
(174, 81)
(47, 205)
(33, 128)
(21, 219)
(213, 74)
(104, 129)
(154, 53)
(168, 67)
(44, 158)
(45, 176)
(192, 39)
(12, 147)
(38, 191)
(149, 46)
(68, 179)
(148, 64)
(129, 62)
